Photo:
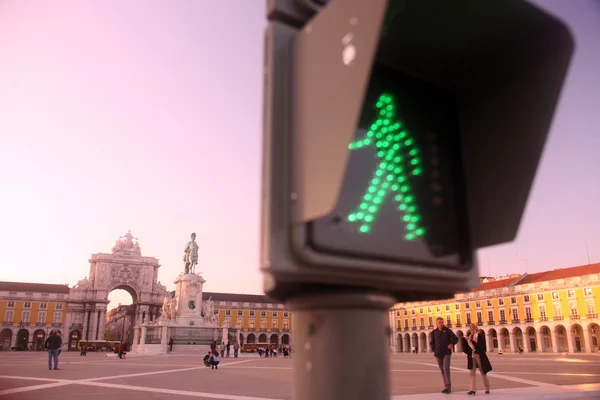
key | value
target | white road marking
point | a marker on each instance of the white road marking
(172, 391)
(36, 387)
(494, 375)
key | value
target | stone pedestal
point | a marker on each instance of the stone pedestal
(188, 300)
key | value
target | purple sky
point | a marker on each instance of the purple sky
(146, 115)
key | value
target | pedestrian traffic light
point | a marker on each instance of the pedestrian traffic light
(399, 137)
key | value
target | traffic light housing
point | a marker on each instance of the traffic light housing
(399, 137)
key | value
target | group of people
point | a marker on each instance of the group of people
(442, 344)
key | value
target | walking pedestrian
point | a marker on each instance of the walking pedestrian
(474, 346)
(442, 342)
(236, 349)
(53, 344)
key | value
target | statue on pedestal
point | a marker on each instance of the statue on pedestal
(190, 257)
(166, 309)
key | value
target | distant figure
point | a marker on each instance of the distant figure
(215, 359)
(122, 348)
(53, 344)
(442, 342)
(171, 344)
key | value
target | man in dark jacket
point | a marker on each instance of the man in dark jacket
(442, 342)
(53, 344)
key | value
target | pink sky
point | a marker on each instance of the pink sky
(146, 115)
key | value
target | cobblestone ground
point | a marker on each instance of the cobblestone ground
(25, 376)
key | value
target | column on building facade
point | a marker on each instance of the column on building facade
(143, 333)
(513, 342)
(136, 336)
(526, 342)
(539, 337)
(392, 338)
(555, 346)
(95, 319)
(570, 341)
(84, 334)
(489, 341)
(67, 325)
(102, 324)
(500, 340)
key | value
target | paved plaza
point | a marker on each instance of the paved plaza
(26, 376)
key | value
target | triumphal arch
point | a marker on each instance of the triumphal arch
(124, 268)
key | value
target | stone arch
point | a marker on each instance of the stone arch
(285, 339)
(74, 338)
(423, 342)
(407, 343)
(39, 339)
(577, 338)
(274, 339)
(399, 344)
(251, 339)
(23, 338)
(531, 339)
(429, 338)
(262, 338)
(414, 341)
(594, 337)
(492, 338)
(561, 339)
(519, 343)
(504, 339)
(126, 269)
(5, 339)
(546, 339)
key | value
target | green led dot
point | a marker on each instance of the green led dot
(420, 231)
(398, 197)
(409, 236)
(377, 200)
(417, 171)
(412, 209)
(379, 172)
(401, 179)
(415, 218)
(368, 197)
(380, 153)
(385, 185)
(411, 227)
(390, 177)
(414, 161)
(360, 215)
(372, 189)
(397, 159)
(369, 218)
(395, 187)
(352, 217)
(372, 209)
(406, 218)
(364, 228)
(397, 170)
(363, 206)
(404, 188)
(408, 142)
(375, 181)
(381, 193)
(359, 145)
(402, 207)
(409, 199)
(402, 135)
(413, 152)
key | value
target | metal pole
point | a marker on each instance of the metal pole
(341, 346)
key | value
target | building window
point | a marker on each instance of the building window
(228, 312)
(526, 298)
(27, 304)
(399, 324)
(263, 314)
(587, 291)
(263, 324)
(25, 316)
(8, 316)
(477, 304)
(501, 302)
(573, 309)
(438, 308)
(502, 316)
(57, 318)
(406, 323)
(422, 322)
(490, 316)
(513, 300)
(275, 324)
(240, 313)
(251, 324)
(274, 314)
(543, 312)
(555, 295)
(412, 312)
(448, 320)
(467, 305)
(43, 305)
(430, 322)
(479, 320)
(591, 309)
(540, 296)
(489, 303)
(570, 293)
(414, 321)
(447, 307)
(216, 312)
(429, 310)
(10, 304)
(286, 325)
(469, 318)
(285, 314)
(557, 310)
(457, 306)
(421, 311)
(528, 314)
(458, 319)
(397, 313)
(515, 314)
(252, 313)
(58, 306)
(41, 317)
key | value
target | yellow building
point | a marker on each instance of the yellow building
(30, 312)
(257, 318)
(551, 311)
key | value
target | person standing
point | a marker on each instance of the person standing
(474, 347)
(53, 344)
(236, 349)
(442, 342)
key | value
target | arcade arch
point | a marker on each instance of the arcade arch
(5, 339)
(285, 339)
